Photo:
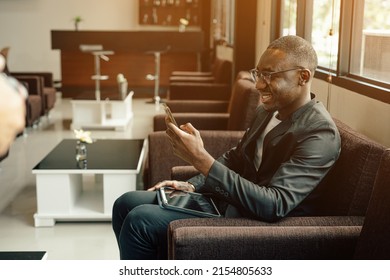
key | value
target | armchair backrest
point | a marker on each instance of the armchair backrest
(374, 242)
(222, 71)
(47, 77)
(348, 185)
(244, 100)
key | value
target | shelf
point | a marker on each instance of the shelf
(169, 12)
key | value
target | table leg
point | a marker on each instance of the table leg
(114, 185)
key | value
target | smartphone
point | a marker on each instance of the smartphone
(169, 114)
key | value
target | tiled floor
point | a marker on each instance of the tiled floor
(64, 241)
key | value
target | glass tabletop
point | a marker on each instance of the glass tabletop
(102, 154)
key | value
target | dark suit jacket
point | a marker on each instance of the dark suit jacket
(297, 154)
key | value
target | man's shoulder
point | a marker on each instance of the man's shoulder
(316, 116)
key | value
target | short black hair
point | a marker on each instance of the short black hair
(300, 51)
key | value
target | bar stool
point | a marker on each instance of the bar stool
(156, 76)
(98, 77)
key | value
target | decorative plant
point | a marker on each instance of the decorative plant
(83, 136)
(76, 21)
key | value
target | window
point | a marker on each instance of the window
(289, 17)
(371, 40)
(223, 20)
(325, 32)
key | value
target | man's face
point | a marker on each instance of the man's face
(279, 91)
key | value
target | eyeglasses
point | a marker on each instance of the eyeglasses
(267, 76)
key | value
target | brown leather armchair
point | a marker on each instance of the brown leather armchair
(198, 87)
(46, 86)
(240, 109)
(48, 89)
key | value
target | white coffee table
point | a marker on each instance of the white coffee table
(68, 192)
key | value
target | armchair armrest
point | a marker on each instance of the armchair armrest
(199, 91)
(198, 106)
(183, 173)
(201, 121)
(291, 238)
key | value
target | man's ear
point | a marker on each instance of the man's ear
(304, 76)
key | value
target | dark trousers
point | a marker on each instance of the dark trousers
(140, 226)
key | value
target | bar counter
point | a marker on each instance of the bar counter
(133, 57)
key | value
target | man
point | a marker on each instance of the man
(274, 170)
(12, 109)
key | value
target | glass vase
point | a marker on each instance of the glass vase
(81, 151)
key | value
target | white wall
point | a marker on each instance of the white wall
(366, 115)
(25, 27)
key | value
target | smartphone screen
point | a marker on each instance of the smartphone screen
(169, 114)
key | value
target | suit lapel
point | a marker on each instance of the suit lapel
(280, 129)
(260, 124)
(249, 147)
